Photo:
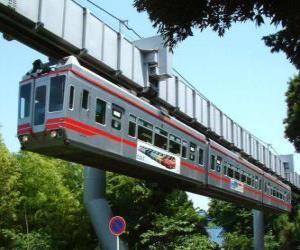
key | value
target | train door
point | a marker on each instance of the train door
(40, 104)
(118, 126)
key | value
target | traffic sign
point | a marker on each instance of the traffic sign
(117, 225)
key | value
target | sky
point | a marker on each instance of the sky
(236, 72)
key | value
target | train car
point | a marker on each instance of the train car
(68, 112)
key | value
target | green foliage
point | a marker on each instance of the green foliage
(292, 122)
(231, 217)
(176, 20)
(237, 241)
(157, 217)
(42, 208)
(32, 240)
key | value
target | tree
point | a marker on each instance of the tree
(42, 208)
(176, 19)
(158, 217)
(281, 230)
(292, 122)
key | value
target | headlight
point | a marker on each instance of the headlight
(24, 138)
(53, 134)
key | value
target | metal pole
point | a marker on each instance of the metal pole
(118, 243)
(258, 229)
(98, 208)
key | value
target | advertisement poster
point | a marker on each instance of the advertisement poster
(237, 185)
(157, 157)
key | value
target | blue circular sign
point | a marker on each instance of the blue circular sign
(117, 225)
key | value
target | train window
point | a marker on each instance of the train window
(201, 156)
(225, 168)
(249, 179)
(184, 149)
(237, 174)
(71, 97)
(100, 111)
(160, 138)
(174, 144)
(256, 182)
(132, 126)
(39, 105)
(117, 114)
(219, 161)
(24, 102)
(230, 172)
(116, 124)
(57, 91)
(85, 99)
(192, 151)
(145, 132)
(259, 184)
(243, 177)
(212, 162)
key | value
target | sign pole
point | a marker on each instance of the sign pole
(118, 243)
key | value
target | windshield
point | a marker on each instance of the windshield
(24, 101)
(57, 90)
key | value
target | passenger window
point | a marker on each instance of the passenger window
(225, 168)
(218, 166)
(24, 102)
(71, 97)
(249, 179)
(256, 182)
(161, 138)
(212, 162)
(237, 174)
(145, 132)
(132, 126)
(201, 158)
(192, 151)
(85, 99)
(100, 111)
(243, 179)
(230, 172)
(184, 149)
(57, 91)
(174, 144)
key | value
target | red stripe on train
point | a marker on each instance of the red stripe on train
(85, 129)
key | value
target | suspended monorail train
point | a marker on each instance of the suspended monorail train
(71, 113)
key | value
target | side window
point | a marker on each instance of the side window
(85, 99)
(201, 156)
(249, 179)
(184, 149)
(193, 148)
(212, 162)
(117, 113)
(243, 177)
(237, 174)
(71, 97)
(230, 171)
(57, 92)
(100, 113)
(225, 168)
(160, 138)
(219, 161)
(132, 126)
(24, 102)
(174, 144)
(145, 131)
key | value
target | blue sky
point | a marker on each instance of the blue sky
(237, 73)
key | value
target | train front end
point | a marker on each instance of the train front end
(41, 108)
